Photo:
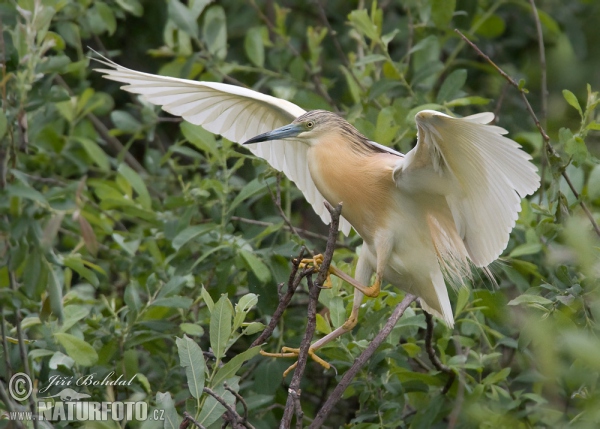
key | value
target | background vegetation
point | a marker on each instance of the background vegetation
(129, 241)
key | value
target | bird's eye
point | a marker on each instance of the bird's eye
(310, 124)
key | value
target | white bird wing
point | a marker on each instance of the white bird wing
(485, 175)
(234, 112)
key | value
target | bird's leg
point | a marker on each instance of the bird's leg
(348, 325)
(363, 272)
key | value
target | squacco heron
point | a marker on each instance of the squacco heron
(425, 217)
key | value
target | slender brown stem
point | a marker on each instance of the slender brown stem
(433, 357)
(293, 405)
(361, 361)
(543, 89)
(187, 419)
(284, 300)
(541, 129)
(230, 410)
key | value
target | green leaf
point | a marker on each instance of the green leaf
(137, 183)
(3, 124)
(494, 26)
(361, 21)
(214, 31)
(192, 329)
(220, 326)
(125, 122)
(442, 12)
(468, 101)
(183, 18)
(386, 128)
(207, 299)
(530, 299)
(231, 368)
(496, 377)
(95, 153)
(572, 100)
(323, 325)
(165, 402)
(22, 191)
(452, 85)
(242, 308)
(173, 302)
(190, 233)
(526, 249)
(253, 188)
(593, 185)
(81, 352)
(107, 15)
(192, 359)
(258, 267)
(199, 137)
(254, 46)
(132, 6)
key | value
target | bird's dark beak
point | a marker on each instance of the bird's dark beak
(291, 130)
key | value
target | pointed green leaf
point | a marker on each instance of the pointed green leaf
(258, 267)
(183, 18)
(81, 352)
(231, 368)
(452, 85)
(136, 183)
(165, 402)
(254, 46)
(572, 100)
(192, 359)
(220, 326)
(214, 31)
(190, 233)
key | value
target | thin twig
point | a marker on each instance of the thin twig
(187, 419)
(239, 398)
(300, 231)
(542, 131)
(361, 361)
(230, 410)
(277, 200)
(284, 300)
(543, 89)
(460, 392)
(433, 357)
(292, 405)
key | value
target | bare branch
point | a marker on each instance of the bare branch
(237, 419)
(543, 89)
(541, 129)
(187, 419)
(433, 357)
(284, 300)
(361, 361)
(293, 405)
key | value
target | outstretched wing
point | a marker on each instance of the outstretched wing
(234, 112)
(483, 175)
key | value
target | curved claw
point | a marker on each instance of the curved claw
(316, 261)
(292, 352)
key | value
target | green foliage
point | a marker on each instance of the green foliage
(133, 243)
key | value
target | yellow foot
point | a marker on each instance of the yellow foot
(316, 261)
(291, 352)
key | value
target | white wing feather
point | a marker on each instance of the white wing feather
(234, 112)
(486, 175)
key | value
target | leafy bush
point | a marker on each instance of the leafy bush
(135, 243)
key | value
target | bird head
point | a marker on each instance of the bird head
(309, 128)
